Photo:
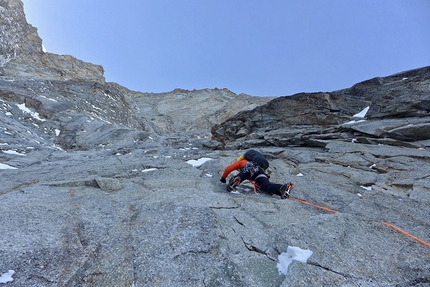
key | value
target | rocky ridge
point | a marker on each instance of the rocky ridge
(97, 186)
(397, 114)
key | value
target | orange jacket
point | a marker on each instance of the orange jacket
(237, 165)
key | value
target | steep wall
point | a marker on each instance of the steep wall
(21, 53)
(101, 186)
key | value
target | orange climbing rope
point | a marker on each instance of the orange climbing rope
(385, 223)
(407, 234)
(256, 186)
(312, 204)
(334, 211)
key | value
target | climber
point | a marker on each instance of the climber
(252, 166)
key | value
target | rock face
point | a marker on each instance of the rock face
(397, 112)
(98, 186)
(21, 52)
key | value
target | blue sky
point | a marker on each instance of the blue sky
(257, 47)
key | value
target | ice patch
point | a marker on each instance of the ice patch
(7, 277)
(366, 187)
(293, 253)
(149, 169)
(362, 114)
(199, 162)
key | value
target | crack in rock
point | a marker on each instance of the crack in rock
(254, 248)
(330, 270)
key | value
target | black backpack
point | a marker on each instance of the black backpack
(257, 158)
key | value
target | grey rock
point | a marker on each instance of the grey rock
(398, 110)
(103, 194)
(108, 184)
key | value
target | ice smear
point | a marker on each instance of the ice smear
(362, 114)
(7, 277)
(199, 162)
(293, 253)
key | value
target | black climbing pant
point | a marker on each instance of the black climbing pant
(257, 175)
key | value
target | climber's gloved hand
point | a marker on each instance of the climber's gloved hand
(223, 180)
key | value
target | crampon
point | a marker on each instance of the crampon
(231, 186)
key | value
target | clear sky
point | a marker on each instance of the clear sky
(257, 47)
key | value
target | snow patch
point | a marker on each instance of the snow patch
(300, 174)
(354, 122)
(13, 152)
(362, 114)
(293, 253)
(35, 115)
(7, 277)
(199, 162)
(149, 169)
(5, 166)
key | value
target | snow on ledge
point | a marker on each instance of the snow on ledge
(5, 166)
(293, 253)
(199, 162)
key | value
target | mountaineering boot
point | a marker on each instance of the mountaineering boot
(286, 189)
(233, 182)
